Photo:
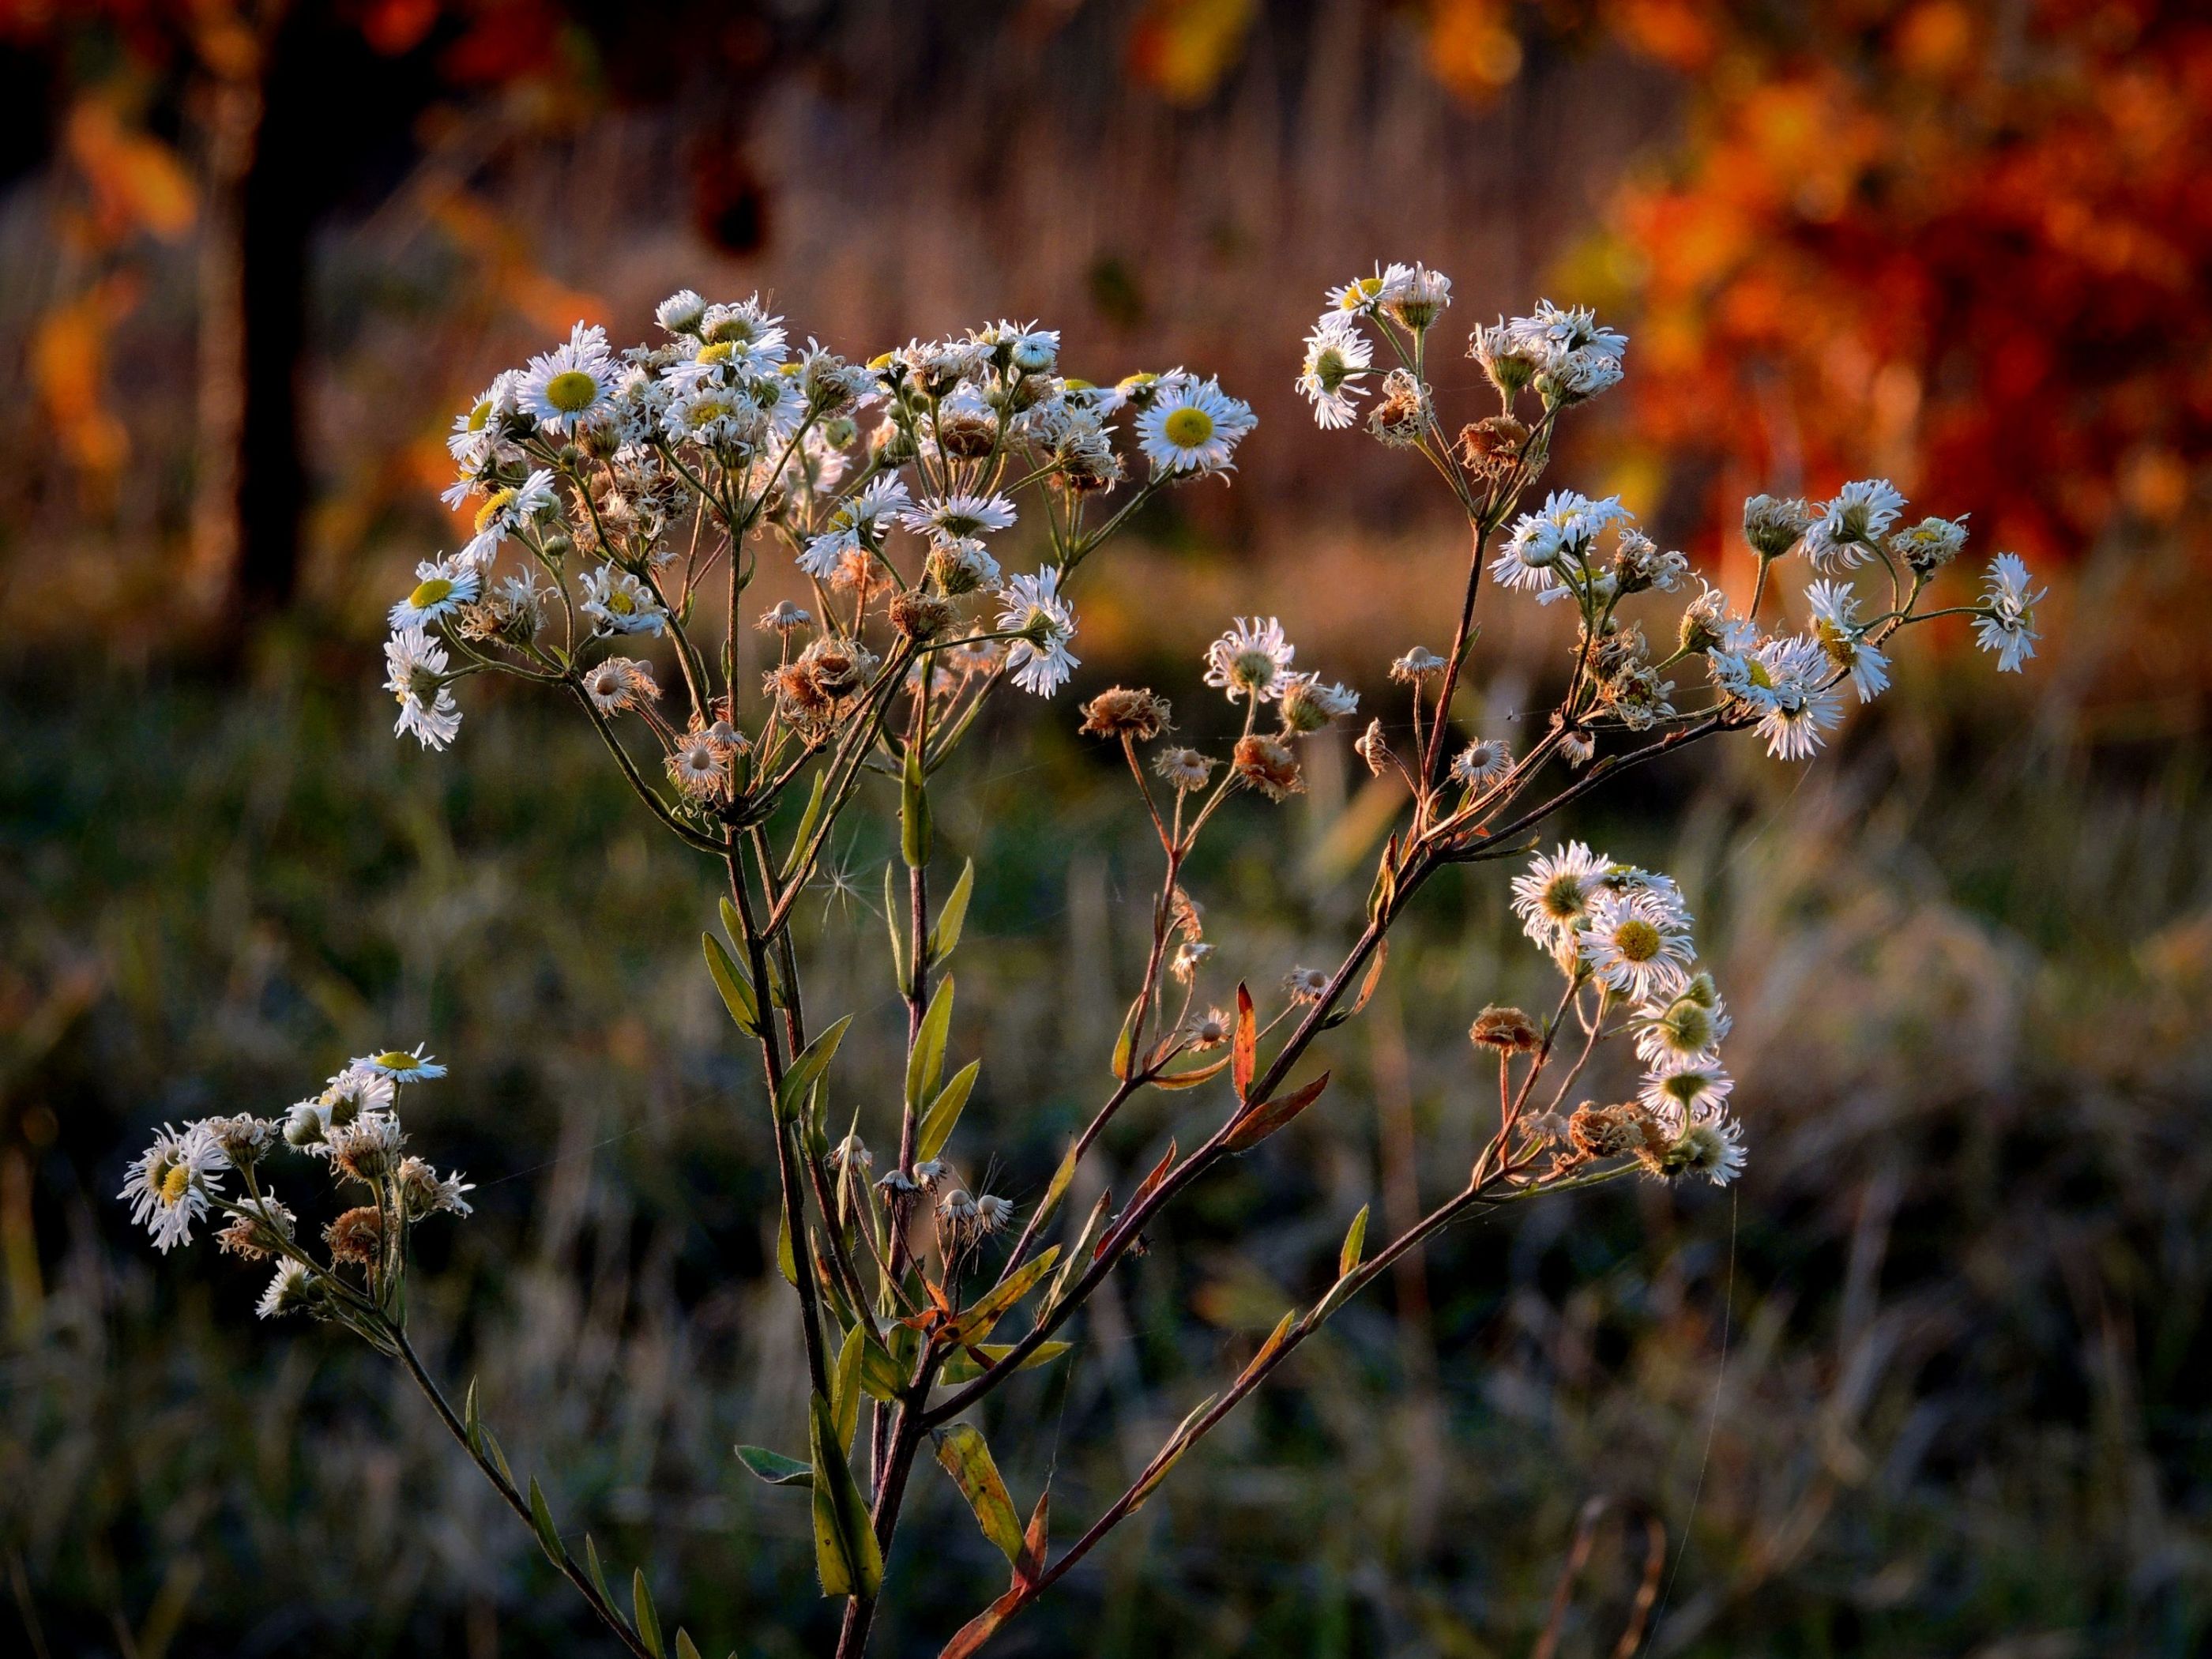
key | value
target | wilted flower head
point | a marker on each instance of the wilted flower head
(1267, 764)
(1309, 704)
(1121, 712)
(1772, 526)
(1848, 530)
(1508, 1029)
(2008, 626)
(1185, 770)
(1306, 985)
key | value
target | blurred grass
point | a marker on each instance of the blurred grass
(1929, 1381)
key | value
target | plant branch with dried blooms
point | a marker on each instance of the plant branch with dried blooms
(623, 504)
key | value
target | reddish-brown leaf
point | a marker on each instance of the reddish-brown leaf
(1260, 1122)
(1247, 1052)
(1153, 1181)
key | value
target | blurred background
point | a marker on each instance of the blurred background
(1930, 1381)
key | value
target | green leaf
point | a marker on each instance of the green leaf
(648, 1616)
(945, 1111)
(880, 1374)
(774, 1468)
(732, 924)
(1056, 1188)
(787, 1261)
(1355, 1240)
(959, 1368)
(684, 1647)
(846, 1379)
(806, 823)
(804, 1071)
(846, 1559)
(541, 1522)
(925, 1061)
(976, 1323)
(597, 1573)
(914, 811)
(1124, 1044)
(471, 1424)
(729, 979)
(498, 1457)
(892, 916)
(945, 936)
(1260, 1122)
(1170, 1455)
(1079, 1253)
(964, 1456)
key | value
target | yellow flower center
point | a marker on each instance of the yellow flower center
(1187, 428)
(721, 352)
(619, 601)
(176, 1184)
(572, 391)
(480, 416)
(1636, 940)
(429, 592)
(493, 507)
(395, 1060)
(1755, 671)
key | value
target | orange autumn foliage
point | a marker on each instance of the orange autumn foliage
(1926, 240)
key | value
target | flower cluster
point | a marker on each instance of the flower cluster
(1621, 937)
(352, 1128)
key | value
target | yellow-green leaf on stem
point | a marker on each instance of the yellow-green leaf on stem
(846, 1381)
(915, 828)
(805, 1071)
(925, 1061)
(964, 1456)
(975, 1324)
(729, 979)
(846, 1559)
(1355, 1240)
(774, 1468)
(541, 1522)
(944, 935)
(937, 1123)
(648, 1616)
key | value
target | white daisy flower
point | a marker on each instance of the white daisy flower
(1338, 358)
(1193, 428)
(1712, 1146)
(619, 683)
(2009, 629)
(1835, 625)
(1481, 762)
(1542, 543)
(1634, 945)
(169, 1183)
(289, 1292)
(416, 675)
(479, 437)
(1309, 702)
(441, 588)
(620, 603)
(697, 766)
(1679, 1091)
(1365, 296)
(400, 1066)
(1420, 298)
(563, 388)
(681, 313)
(1554, 896)
(1681, 1029)
(753, 335)
(1250, 661)
(1040, 661)
(1804, 704)
(1847, 530)
(960, 516)
(1931, 543)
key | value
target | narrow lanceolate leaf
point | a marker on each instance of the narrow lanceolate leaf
(541, 1522)
(1170, 1455)
(599, 1574)
(914, 811)
(1189, 1080)
(729, 979)
(1080, 1252)
(471, 1424)
(1246, 1052)
(1366, 987)
(732, 924)
(892, 916)
(945, 937)
(961, 1451)
(648, 1616)
(975, 1324)
(1151, 1182)
(685, 1648)
(1267, 1349)
(959, 1368)
(806, 823)
(971, 1636)
(925, 1061)
(786, 1260)
(774, 1468)
(1125, 1045)
(846, 1559)
(847, 1382)
(1034, 1541)
(1260, 1122)
(805, 1071)
(1056, 1188)
(937, 1123)
(498, 1457)
(1355, 1241)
